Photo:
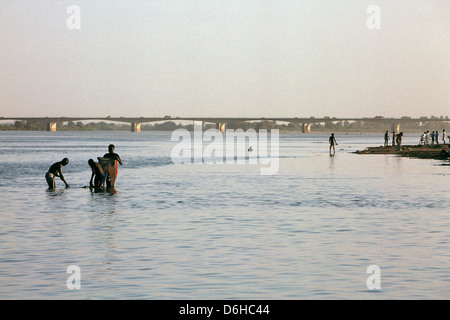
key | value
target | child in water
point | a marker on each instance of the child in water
(56, 171)
(113, 156)
(97, 171)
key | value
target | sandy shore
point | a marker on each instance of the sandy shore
(412, 151)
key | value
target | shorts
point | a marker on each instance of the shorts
(99, 180)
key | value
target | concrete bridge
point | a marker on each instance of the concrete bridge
(306, 123)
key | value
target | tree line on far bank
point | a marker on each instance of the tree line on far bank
(329, 126)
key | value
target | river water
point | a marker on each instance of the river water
(222, 231)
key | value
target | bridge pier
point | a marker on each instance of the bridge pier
(135, 127)
(221, 127)
(51, 126)
(395, 127)
(306, 127)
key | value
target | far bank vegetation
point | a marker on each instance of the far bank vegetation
(328, 126)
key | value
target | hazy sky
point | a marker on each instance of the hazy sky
(237, 58)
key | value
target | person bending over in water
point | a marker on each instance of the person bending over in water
(333, 143)
(55, 171)
(97, 171)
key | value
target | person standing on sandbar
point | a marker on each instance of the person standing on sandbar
(386, 138)
(399, 140)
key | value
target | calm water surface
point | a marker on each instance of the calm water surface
(200, 231)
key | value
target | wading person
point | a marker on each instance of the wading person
(386, 139)
(98, 173)
(393, 138)
(333, 143)
(55, 171)
(113, 156)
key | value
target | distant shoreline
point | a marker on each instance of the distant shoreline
(339, 128)
(169, 130)
(127, 129)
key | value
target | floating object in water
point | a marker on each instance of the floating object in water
(250, 149)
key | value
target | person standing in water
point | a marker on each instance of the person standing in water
(56, 171)
(333, 143)
(113, 156)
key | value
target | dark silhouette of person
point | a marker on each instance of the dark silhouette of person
(333, 143)
(113, 156)
(444, 154)
(98, 173)
(56, 171)
(399, 140)
(386, 139)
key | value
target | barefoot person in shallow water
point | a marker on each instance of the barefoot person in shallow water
(55, 171)
(97, 171)
(333, 143)
(114, 156)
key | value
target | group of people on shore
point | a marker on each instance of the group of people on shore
(98, 176)
(396, 139)
(428, 138)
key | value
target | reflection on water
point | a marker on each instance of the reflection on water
(212, 231)
(55, 193)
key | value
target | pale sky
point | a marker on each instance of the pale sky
(225, 58)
